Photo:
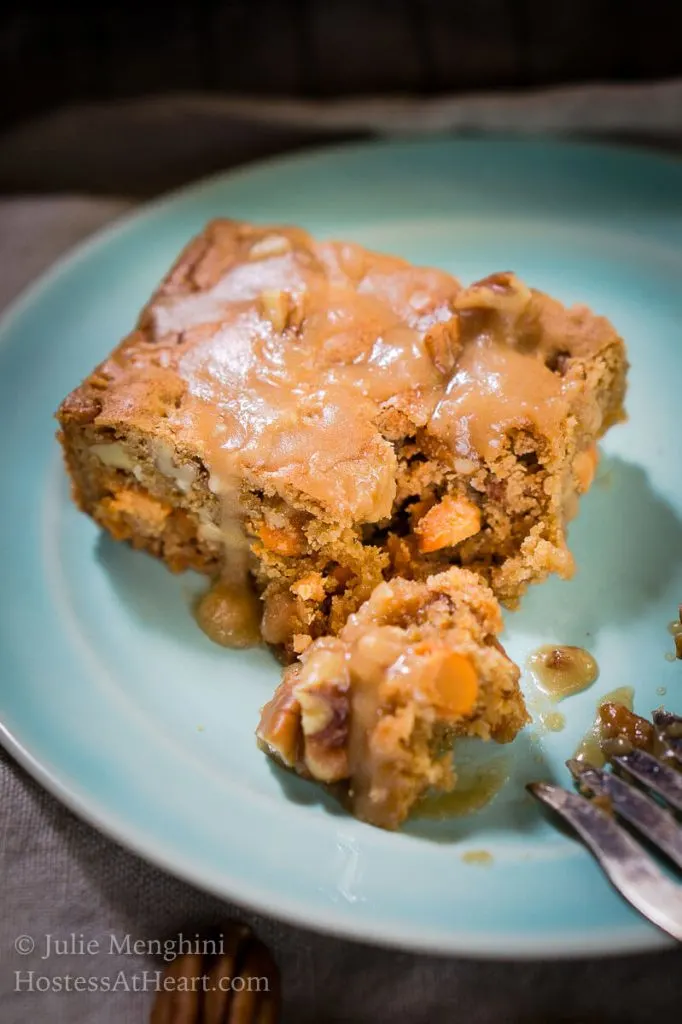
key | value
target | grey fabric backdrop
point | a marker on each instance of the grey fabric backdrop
(68, 52)
(59, 876)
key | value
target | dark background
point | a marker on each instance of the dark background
(52, 53)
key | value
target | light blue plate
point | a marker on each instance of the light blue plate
(112, 697)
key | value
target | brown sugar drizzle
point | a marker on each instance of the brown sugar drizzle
(482, 858)
(230, 615)
(561, 671)
(590, 747)
(295, 345)
(290, 351)
(475, 788)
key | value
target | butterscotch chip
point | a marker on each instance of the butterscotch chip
(134, 513)
(455, 684)
(448, 523)
(288, 541)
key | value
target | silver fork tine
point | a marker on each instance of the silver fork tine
(669, 732)
(663, 719)
(652, 820)
(652, 773)
(630, 870)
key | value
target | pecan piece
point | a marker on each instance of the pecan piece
(80, 407)
(233, 979)
(502, 292)
(283, 309)
(619, 723)
(443, 344)
(305, 725)
(279, 731)
(323, 692)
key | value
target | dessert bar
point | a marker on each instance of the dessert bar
(302, 420)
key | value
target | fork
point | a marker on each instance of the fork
(630, 869)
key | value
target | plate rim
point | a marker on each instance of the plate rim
(524, 946)
(509, 947)
(147, 207)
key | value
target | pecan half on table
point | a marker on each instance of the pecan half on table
(238, 984)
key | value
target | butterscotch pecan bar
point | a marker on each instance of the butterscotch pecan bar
(315, 418)
(376, 709)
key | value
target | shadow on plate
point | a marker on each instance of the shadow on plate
(489, 774)
(153, 595)
(627, 543)
(495, 777)
(305, 793)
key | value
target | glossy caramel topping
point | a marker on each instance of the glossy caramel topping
(230, 615)
(622, 730)
(474, 790)
(286, 366)
(495, 388)
(590, 747)
(292, 352)
(553, 721)
(562, 671)
(271, 355)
